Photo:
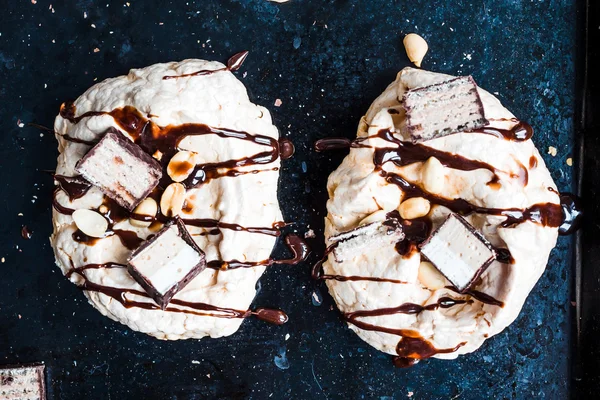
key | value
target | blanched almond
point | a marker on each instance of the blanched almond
(416, 48)
(433, 176)
(181, 165)
(147, 207)
(415, 207)
(90, 222)
(375, 217)
(430, 277)
(172, 200)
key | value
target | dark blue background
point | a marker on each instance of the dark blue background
(326, 61)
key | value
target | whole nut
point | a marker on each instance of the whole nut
(157, 155)
(415, 207)
(90, 222)
(375, 217)
(430, 277)
(416, 48)
(147, 207)
(181, 165)
(172, 200)
(433, 176)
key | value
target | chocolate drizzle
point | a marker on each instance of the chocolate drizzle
(337, 143)
(407, 308)
(25, 232)
(412, 349)
(520, 132)
(317, 272)
(74, 186)
(286, 148)
(213, 223)
(129, 239)
(479, 296)
(295, 244)
(272, 316)
(234, 63)
(405, 153)
(546, 214)
(573, 213)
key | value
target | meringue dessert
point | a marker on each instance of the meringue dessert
(166, 211)
(440, 220)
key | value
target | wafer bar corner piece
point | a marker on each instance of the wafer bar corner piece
(22, 382)
(443, 109)
(121, 169)
(366, 238)
(459, 252)
(167, 262)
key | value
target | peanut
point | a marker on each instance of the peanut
(172, 200)
(433, 176)
(147, 207)
(90, 222)
(416, 48)
(181, 165)
(430, 277)
(415, 207)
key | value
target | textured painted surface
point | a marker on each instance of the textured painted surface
(326, 61)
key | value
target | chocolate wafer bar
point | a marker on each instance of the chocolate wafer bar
(443, 109)
(459, 252)
(22, 382)
(366, 238)
(121, 169)
(167, 262)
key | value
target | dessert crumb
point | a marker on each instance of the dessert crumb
(278, 102)
(570, 162)
(409, 394)
(287, 336)
(552, 151)
(3, 260)
(309, 234)
(96, 50)
(195, 362)
(20, 123)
